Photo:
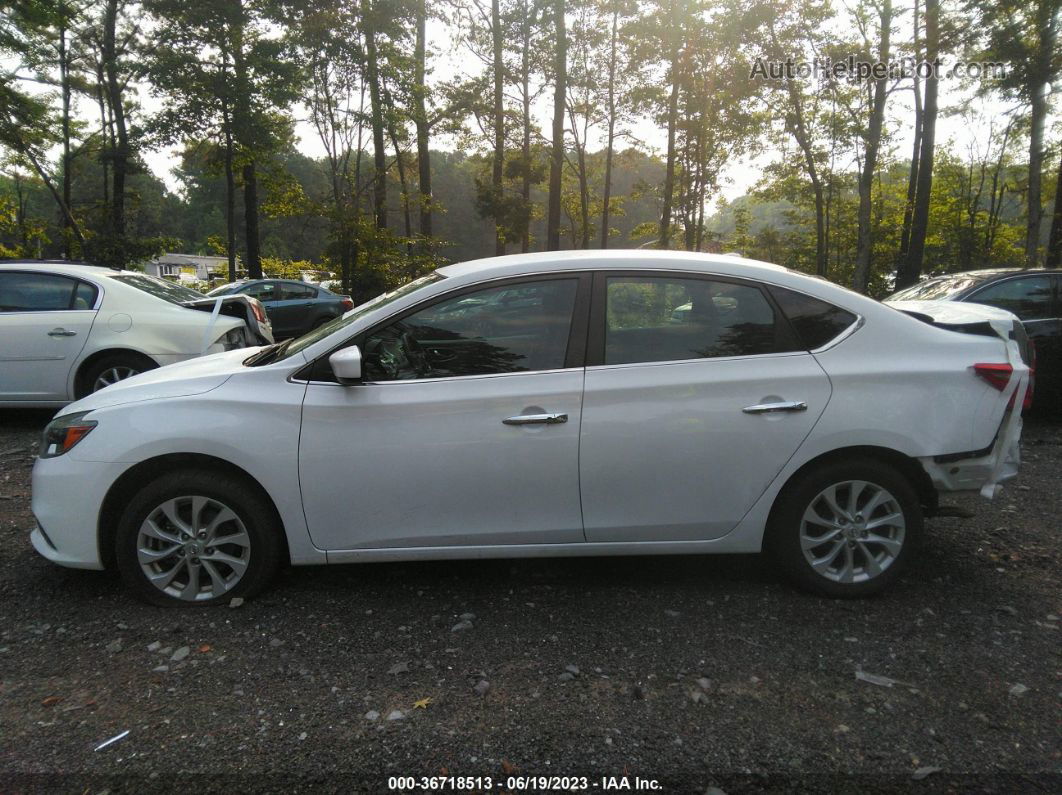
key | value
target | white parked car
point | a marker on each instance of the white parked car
(538, 405)
(69, 329)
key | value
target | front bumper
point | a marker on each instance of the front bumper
(67, 497)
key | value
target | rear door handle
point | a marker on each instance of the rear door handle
(536, 419)
(768, 408)
(61, 332)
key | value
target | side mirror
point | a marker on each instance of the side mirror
(346, 365)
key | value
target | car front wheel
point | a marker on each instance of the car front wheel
(198, 538)
(845, 529)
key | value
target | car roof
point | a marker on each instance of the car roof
(64, 267)
(519, 264)
(986, 274)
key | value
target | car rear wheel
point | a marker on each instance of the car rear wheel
(112, 369)
(845, 529)
(198, 538)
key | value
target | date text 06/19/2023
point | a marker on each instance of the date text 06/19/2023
(517, 783)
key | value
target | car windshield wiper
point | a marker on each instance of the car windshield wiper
(267, 354)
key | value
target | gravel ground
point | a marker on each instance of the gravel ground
(694, 673)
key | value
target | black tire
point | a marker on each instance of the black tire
(126, 364)
(320, 322)
(858, 578)
(251, 509)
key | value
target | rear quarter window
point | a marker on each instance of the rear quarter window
(815, 322)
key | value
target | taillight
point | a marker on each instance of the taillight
(998, 376)
(348, 303)
(258, 309)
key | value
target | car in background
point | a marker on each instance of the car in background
(438, 422)
(294, 307)
(1034, 295)
(70, 329)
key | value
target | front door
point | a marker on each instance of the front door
(697, 398)
(44, 323)
(465, 431)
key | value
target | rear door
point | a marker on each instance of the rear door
(697, 396)
(1035, 300)
(45, 320)
(293, 310)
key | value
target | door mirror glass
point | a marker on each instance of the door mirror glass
(346, 365)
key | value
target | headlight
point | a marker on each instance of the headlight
(64, 432)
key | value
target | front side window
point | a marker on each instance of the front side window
(658, 319)
(38, 292)
(1029, 297)
(510, 329)
(263, 291)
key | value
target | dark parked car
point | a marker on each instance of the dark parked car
(1034, 295)
(293, 307)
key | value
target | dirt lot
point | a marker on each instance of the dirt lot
(695, 673)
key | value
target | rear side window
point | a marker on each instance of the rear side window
(1029, 297)
(663, 318)
(815, 322)
(294, 292)
(37, 292)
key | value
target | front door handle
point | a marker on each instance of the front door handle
(536, 419)
(768, 408)
(61, 332)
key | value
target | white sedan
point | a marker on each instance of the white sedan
(545, 405)
(70, 329)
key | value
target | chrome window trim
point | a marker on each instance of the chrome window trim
(477, 377)
(860, 321)
(698, 360)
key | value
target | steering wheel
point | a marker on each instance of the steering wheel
(415, 354)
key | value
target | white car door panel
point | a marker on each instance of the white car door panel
(433, 463)
(669, 453)
(38, 350)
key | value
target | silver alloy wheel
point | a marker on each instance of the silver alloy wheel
(852, 531)
(113, 375)
(193, 548)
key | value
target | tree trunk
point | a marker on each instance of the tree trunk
(230, 194)
(611, 136)
(803, 138)
(525, 151)
(912, 178)
(669, 173)
(420, 119)
(21, 146)
(379, 152)
(1041, 71)
(560, 90)
(864, 241)
(499, 127)
(920, 215)
(64, 84)
(250, 205)
(1036, 160)
(120, 155)
(1054, 243)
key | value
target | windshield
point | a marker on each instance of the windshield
(934, 289)
(308, 339)
(160, 288)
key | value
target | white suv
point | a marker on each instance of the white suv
(67, 330)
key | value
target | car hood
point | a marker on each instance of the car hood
(192, 377)
(952, 313)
